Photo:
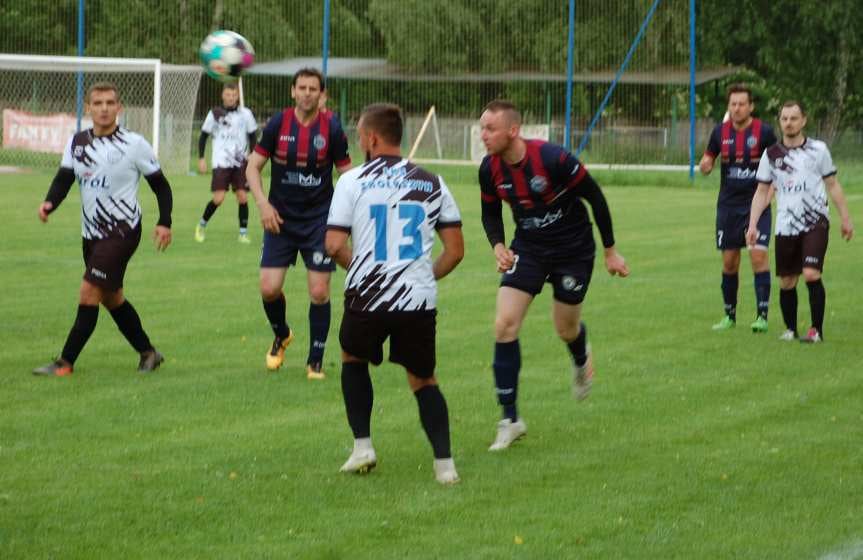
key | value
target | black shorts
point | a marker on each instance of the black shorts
(411, 334)
(280, 251)
(731, 226)
(794, 252)
(569, 277)
(234, 177)
(105, 260)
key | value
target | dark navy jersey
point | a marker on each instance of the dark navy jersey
(740, 152)
(302, 159)
(543, 192)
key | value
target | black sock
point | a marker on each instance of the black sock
(85, 323)
(275, 311)
(129, 323)
(209, 211)
(507, 363)
(817, 299)
(359, 396)
(435, 419)
(762, 292)
(729, 294)
(243, 212)
(788, 303)
(578, 347)
(319, 328)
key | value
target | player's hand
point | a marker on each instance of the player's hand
(615, 263)
(202, 165)
(162, 237)
(270, 219)
(45, 209)
(751, 236)
(504, 256)
(847, 229)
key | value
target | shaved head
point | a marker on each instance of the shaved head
(511, 115)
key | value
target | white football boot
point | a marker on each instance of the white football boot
(507, 432)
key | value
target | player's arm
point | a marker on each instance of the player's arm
(202, 149)
(270, 219)
(713, 148)
(492, 221)
(336, 245)
(706, 163)
(63, 181)
(453, 250)
(590, 191)
(253, 140)
(165, 199)
(838, 196)
(760, 201)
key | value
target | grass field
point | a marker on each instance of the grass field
(692, 444)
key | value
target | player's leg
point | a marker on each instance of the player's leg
(277, 254)
(759, 257)
(434, 417)
(570, 281)
(788, 267)
(218, 186)
(241, 190)
(729, 245)
(320, 267)
(814, 249)
(85, 323)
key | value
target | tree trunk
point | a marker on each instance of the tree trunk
(217, 15)
(830, 130)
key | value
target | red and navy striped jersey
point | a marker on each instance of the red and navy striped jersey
(542, 191)
(302, 159)
(740, 152)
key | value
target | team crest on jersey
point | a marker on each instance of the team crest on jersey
(79, 150)
(778, 163)
(751, 141)
(319, 142)
(537, 183)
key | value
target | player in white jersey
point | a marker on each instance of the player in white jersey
(800, 172)
(108, 161)
(391, 209)
(234, 132)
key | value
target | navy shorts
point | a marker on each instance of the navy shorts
(569, 277)
(280, 251)
(731, 226)
(411, 334)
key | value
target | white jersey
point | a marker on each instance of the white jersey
(392, 209)
(108, 169)
(230, 129)
(798, 176)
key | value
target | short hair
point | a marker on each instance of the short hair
(309, 72)
(101, 86)
(498, 105)
(793, 103)
(738, 88)
(386, 120)
(231, 85)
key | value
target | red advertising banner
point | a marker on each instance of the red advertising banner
(38, 133)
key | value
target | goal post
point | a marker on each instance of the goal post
(38, 96)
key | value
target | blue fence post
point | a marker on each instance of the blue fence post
(691, 90)
(326, 45)
(79, 98)
(567, 134)
(620, 72)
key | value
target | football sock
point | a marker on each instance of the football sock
(85, 323)
(729, 294)
(762, 292)
(129, 323)
(208, 213)
(243, 212)
(275, 311)
(817, 299)
(507, 363)
(435, 419)
(578, 347)
(319, 327)
(788, 303)
(359, 396)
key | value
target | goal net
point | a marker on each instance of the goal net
(40, 109)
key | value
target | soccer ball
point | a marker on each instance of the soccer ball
(225, 55)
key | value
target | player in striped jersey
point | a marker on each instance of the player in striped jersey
(303, 144)
(800, 172)
(392, 209)
(740, 141)
(544, 186)
(108, 160)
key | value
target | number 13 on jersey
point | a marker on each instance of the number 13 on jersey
(411, 216)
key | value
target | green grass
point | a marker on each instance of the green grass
(692, 444)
